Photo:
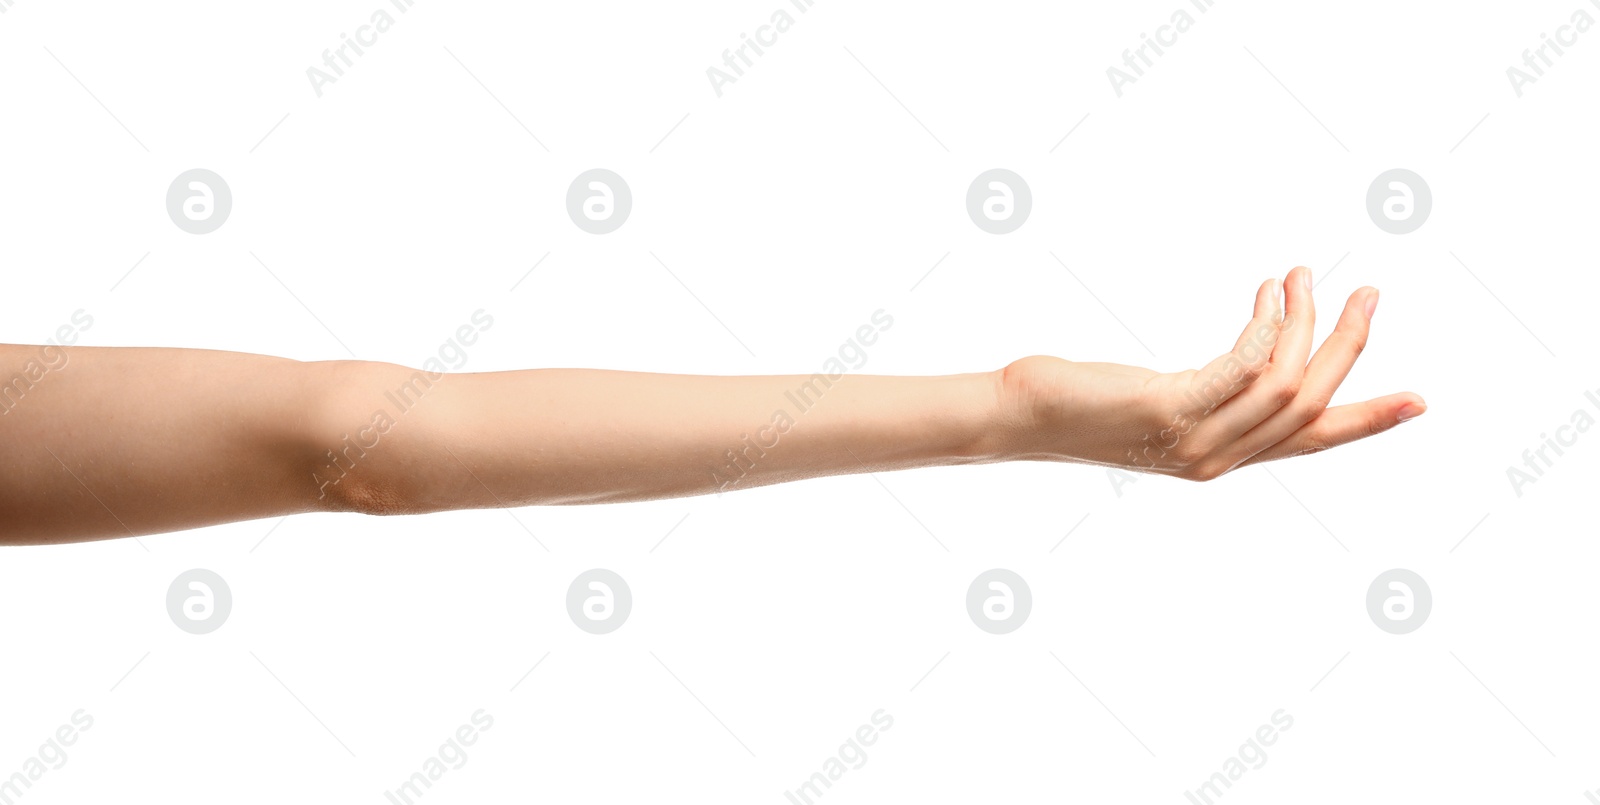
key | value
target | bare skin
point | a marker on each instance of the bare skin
(104, 442)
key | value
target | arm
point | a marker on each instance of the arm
(125, 441)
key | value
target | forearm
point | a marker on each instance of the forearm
(559, 436)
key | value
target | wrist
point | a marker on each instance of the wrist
(1004, 422)
(1018, 429)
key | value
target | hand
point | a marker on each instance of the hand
(1260, 401)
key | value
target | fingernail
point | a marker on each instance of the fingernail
(1411, 411)
(1277, 299)
(1372, 303)
(1305, 277)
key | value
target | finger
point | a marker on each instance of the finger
(1328, 368)
(1280, 381)
(1343, 424)
(1227, 375)
(1269, 308)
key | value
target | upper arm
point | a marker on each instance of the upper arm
(100, 442)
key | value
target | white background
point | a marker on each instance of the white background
(1172, 622)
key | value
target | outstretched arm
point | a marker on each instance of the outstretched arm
(109, 442)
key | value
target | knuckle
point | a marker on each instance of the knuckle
(1286, 391)
(1349, 340)
(1250, 369)
(1310, 404)
(1313, 444)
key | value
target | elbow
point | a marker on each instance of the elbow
(355, 443)
(356, 495)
